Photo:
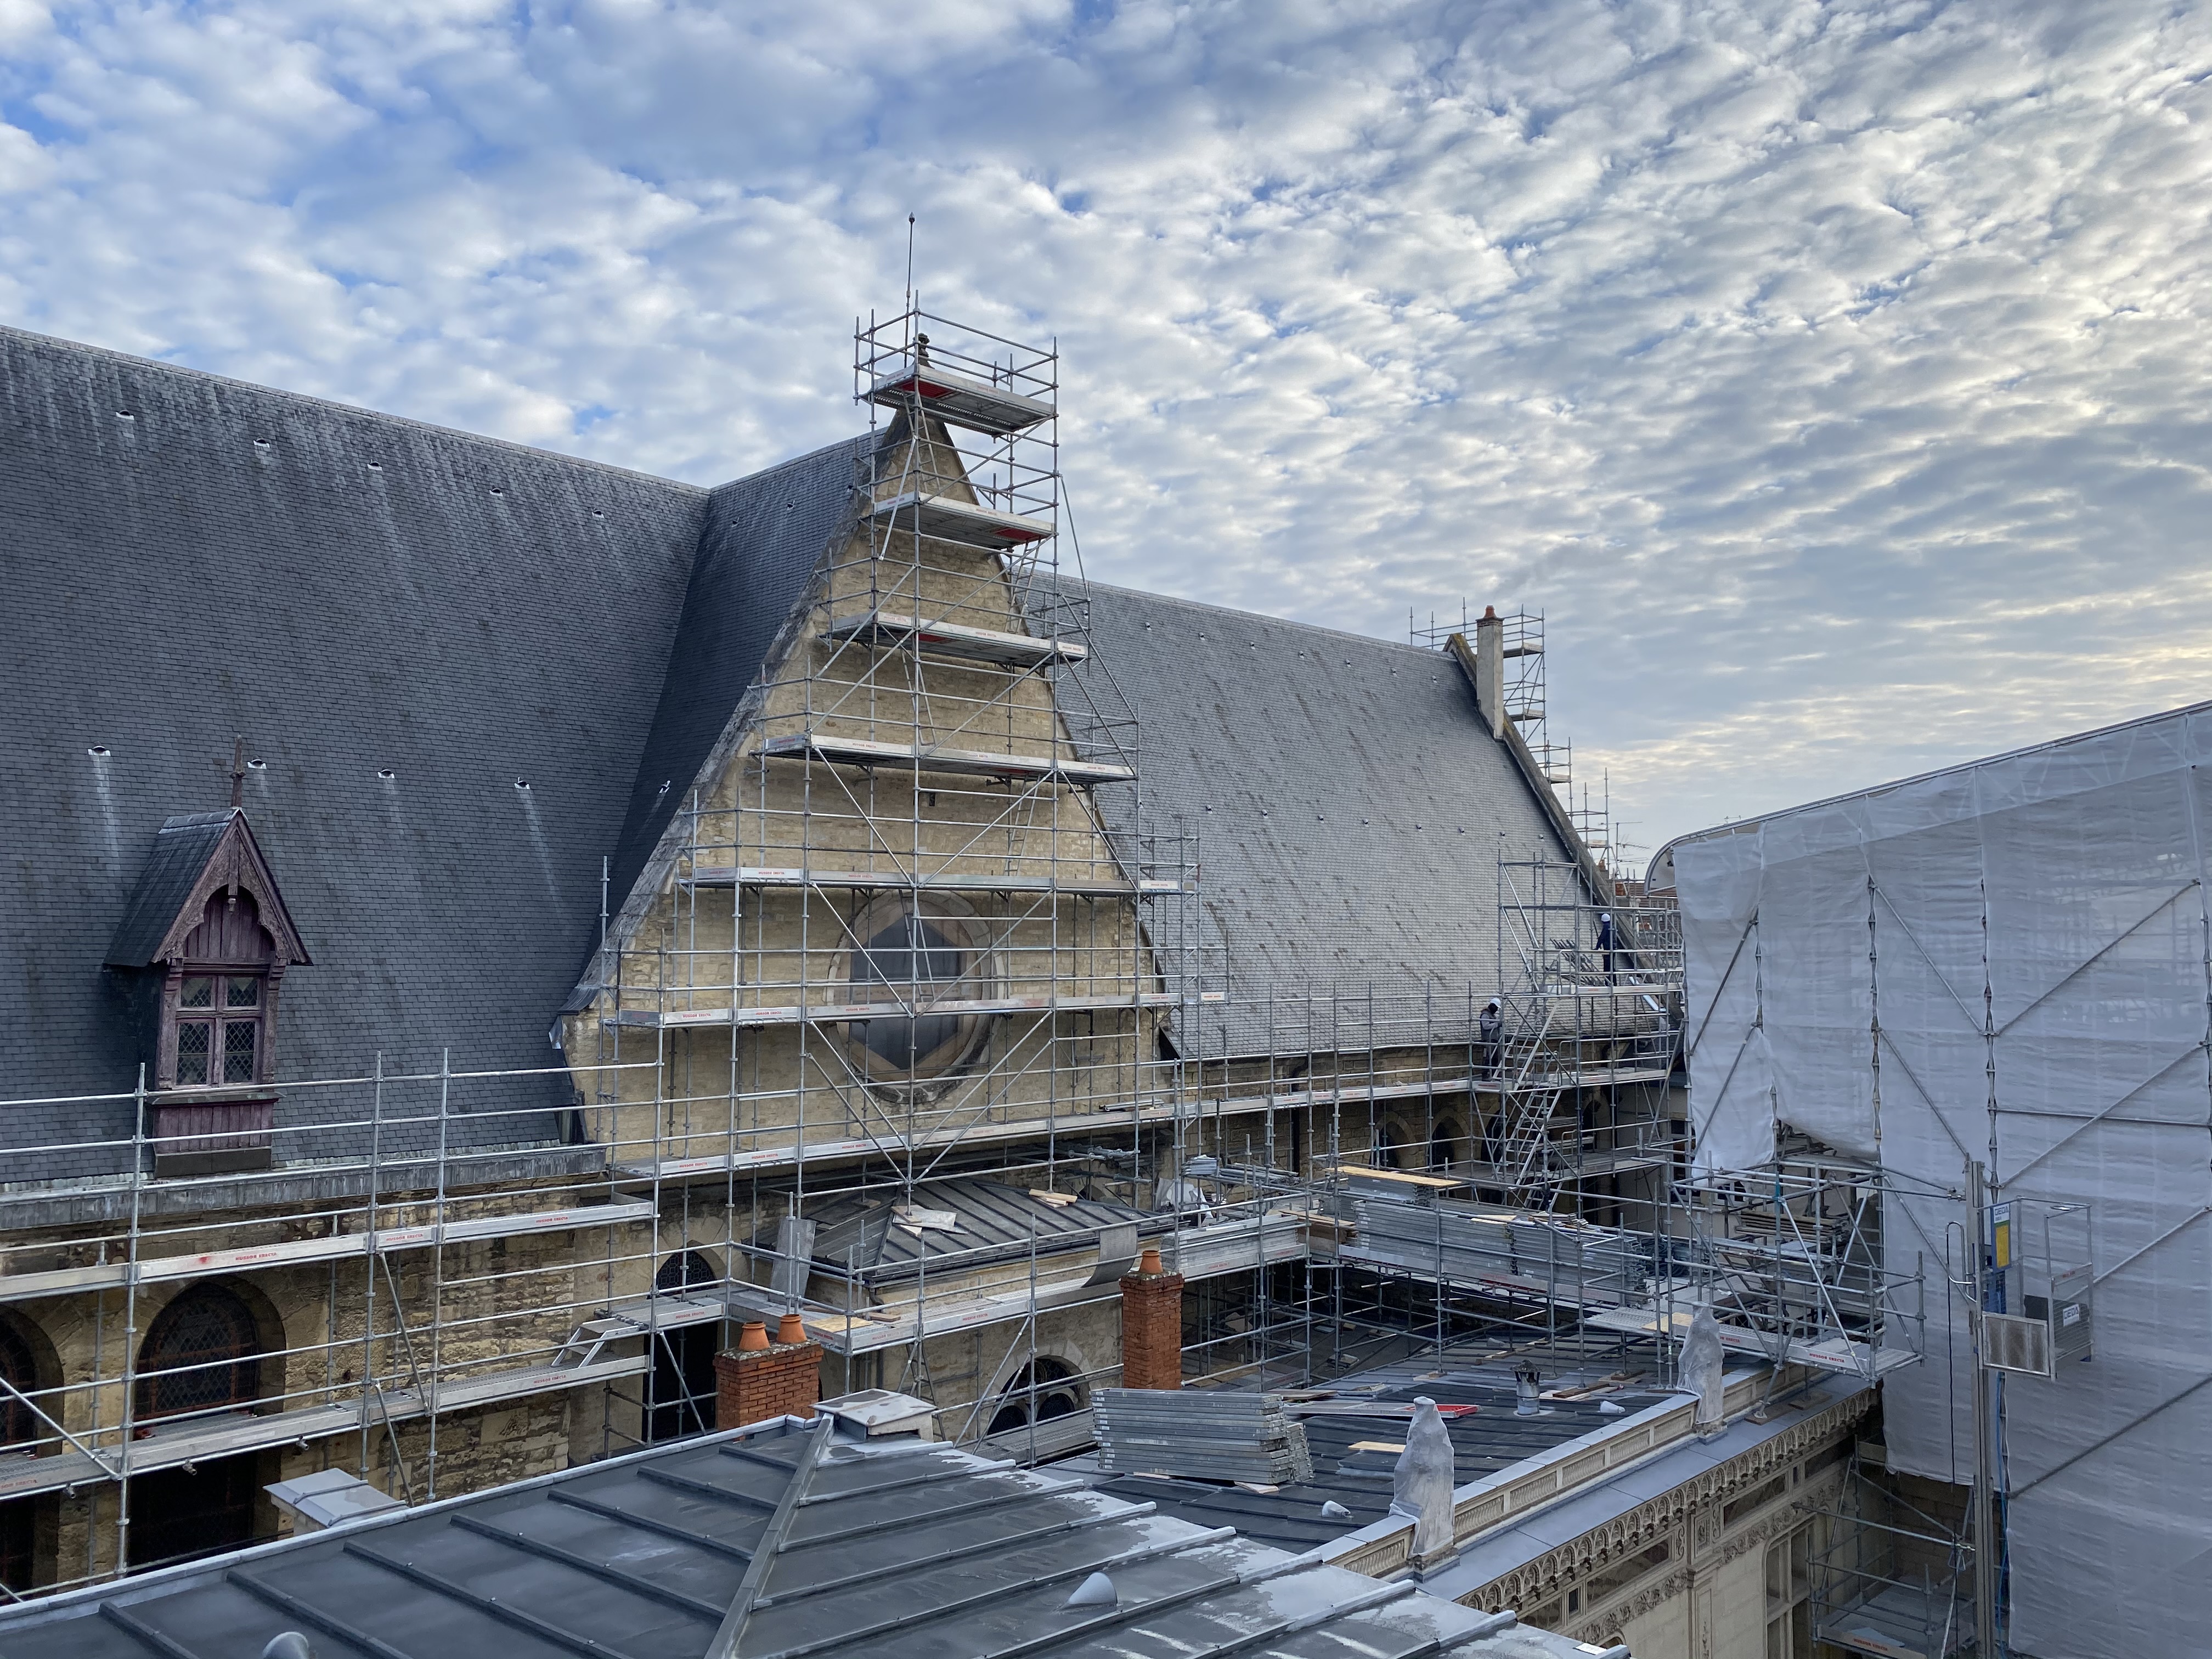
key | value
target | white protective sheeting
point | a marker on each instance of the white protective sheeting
(2007, 961)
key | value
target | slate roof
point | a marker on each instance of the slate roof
(182, 847)
(1349, 802)
(465, 670)
(1490, 1439)
(792, 1542)
(760, 540)
(189, 558)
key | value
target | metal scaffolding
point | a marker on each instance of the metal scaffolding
(898, 962)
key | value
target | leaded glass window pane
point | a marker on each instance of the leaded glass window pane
(238, 1051)
(197, 992)
(244, 991)
(192, 1045)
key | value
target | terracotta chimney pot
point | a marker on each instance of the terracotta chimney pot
(791, 1329)
(752, 1337)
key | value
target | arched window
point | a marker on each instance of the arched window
(1396, 1146)
(1042, 1390)
(919, 961)
(1443, 1145)
(680, 1273)
(18, 1424)
(23, 1347)
(680, 1390)
(202, 1353)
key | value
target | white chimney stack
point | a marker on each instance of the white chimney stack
(1490, 669)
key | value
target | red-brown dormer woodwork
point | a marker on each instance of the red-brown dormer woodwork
(221, 999)
(208, 920)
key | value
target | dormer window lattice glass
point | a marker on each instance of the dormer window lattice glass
(219, 1019)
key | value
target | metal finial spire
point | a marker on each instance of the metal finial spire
(238, 773)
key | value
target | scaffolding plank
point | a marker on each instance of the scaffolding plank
(937, 758)
(1604, 1160)
(960, 400)
(1835, 1353)
(766, 1158)
(944, 639)
(20, 1477)
(967, 523)
(840, 1013)
(779, 875)
(643, 1315)
(1208, 1252)
(20, 1287)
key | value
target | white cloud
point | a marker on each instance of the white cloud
(1834, 375)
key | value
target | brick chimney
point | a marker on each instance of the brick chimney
(762, 1378)
(1152, 1325)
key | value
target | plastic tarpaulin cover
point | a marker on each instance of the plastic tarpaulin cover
(2006, 962)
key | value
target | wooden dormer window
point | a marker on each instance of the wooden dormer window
(221, 998)
(208, 920)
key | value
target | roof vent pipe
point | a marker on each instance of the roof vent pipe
(1527, 1384)
(1095, 1591)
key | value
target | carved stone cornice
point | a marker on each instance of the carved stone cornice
(1697, 1501)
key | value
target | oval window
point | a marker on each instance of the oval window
(934, 962)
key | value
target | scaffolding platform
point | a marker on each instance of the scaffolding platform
(965, 524)
(1359, 1092)
(1834, 1353)
(769, 1159)
(330, 1246)
(936, 757)
(194, 1443)
(845, 1013)
(958, 640)
(1893, 1623)
(1590, 1166)
(1239, 1244)
(785, 876)
(959, 400)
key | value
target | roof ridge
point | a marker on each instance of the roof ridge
(1250, 616)
(858, 440)
(362, 411)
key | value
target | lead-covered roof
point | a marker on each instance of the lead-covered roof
(897, 1550)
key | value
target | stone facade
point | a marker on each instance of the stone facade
(1682, 1576)
(689, 950)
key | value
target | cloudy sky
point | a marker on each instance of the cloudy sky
(1834, 375)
